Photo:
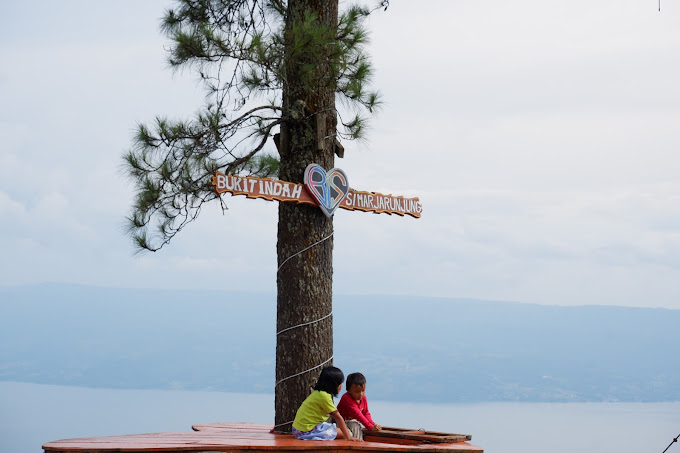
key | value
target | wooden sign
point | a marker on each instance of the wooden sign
(329, 190)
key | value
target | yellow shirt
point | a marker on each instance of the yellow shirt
(314, 410)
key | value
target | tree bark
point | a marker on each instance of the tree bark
(305, 277)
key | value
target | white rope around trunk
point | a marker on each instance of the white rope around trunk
(302, 324)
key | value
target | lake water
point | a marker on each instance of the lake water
(32, 414)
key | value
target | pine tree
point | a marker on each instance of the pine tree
(273, 71)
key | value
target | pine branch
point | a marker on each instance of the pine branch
(236, 48)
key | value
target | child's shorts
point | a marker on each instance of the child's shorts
(322, 431)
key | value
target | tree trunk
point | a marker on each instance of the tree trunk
(305, 276)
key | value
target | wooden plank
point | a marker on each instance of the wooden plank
(420, 435)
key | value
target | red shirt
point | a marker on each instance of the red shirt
(350, 409)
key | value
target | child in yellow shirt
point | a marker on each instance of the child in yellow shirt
(310, 420)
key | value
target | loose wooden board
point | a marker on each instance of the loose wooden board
(419, 435)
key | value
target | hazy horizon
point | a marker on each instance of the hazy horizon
(420, 346)
(335, 294)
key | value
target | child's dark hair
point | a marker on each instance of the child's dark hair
(355, 379)
(329, 380)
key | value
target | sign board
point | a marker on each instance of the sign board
(329, 190)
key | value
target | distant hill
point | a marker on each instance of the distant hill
(410, 348)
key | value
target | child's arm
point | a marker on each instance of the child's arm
(343, 427)
(375, 427)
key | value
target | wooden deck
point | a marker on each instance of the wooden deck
(237, 437)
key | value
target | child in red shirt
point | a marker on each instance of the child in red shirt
(354, 408)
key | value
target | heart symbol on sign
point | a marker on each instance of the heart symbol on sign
(329, 188)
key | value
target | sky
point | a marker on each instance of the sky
(541, 137)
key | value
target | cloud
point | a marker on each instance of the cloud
(542, 142)
(10, 208)
(497, 243)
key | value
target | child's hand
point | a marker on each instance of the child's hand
(376, 428)
(355, 439)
